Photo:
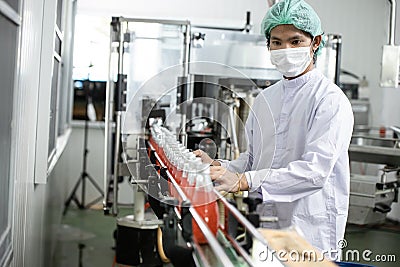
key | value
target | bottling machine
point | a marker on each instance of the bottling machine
(175, 87)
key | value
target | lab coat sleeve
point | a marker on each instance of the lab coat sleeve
(328, 136)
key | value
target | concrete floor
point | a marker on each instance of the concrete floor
(86, 238)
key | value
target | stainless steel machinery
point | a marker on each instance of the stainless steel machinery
(151, 79)
(199, 84)
(371, 197)
(370, 200)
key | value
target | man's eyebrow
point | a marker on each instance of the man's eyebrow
(295, 37)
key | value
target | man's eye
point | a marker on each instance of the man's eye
(296, 42)
(275, 43)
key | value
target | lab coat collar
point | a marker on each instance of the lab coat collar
(299, 81)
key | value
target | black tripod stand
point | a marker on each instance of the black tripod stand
(84, 175)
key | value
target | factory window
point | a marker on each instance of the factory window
(55, 84)
(91, 48)
(55, 89)
(66, 82)
(53, 108)
(90, 73)
(8, 56)
(85, 90)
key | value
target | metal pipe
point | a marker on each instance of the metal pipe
(233, 129)
(185, 74)
(338, 58)
(116, 162)
(247, 27)
(186, 50)
(108, 125)
(121, 51)
(219, 28)
(160, 21)
(392, 24)
(118, 111)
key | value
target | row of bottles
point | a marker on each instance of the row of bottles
(191, 175)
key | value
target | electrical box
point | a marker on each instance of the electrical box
(390, 66)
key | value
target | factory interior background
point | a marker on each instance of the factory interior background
(47, 45)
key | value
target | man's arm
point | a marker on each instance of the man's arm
(329, 136)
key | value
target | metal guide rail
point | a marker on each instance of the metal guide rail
(222, 249)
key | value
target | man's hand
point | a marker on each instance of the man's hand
(205, 158)
(228, 181)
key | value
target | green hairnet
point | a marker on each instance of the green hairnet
(295, 12)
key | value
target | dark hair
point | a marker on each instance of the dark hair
(306, 33)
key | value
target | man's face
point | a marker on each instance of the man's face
(288, 36)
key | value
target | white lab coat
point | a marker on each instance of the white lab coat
(298, 135)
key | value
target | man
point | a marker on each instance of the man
(301, 165)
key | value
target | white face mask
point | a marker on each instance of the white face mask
(291, 62)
